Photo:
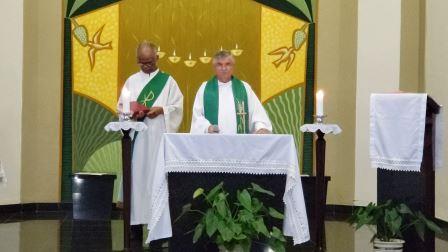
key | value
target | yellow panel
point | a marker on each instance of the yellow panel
(191, 27)
(95, 59)
(277, 30)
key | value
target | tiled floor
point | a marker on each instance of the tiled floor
(56, 231)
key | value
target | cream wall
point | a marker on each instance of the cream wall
(378, 70)
(41, 116)
(11, 27)
(336, 76)
(436, 81)
(412, 46)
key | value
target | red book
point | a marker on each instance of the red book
(137, 107)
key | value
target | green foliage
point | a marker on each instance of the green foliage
(235, 223)
(391, 220)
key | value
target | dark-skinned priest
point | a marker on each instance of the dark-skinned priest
(158, 93)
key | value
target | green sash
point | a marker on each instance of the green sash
(150, 93)
(211, 103)
(152, 90)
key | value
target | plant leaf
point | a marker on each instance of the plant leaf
(214, 191)
(404, 209)
(240, 237)
(211, 222)
(222, 208)
(277, 233)
(245, 216)
(420, 229)
(277, 246)
(185, 209)
(256, 205)
(245, 199)
(259, 189)
(198, 232)
(260, 227)
(276, 214)
(198, 192)
(433, 227)
(236, 228)
(224, 231)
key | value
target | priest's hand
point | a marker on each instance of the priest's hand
(139, 115)
(154, 112)
(263, 131)
(213, 129)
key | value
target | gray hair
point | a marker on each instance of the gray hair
(222, 55)
(146, 44)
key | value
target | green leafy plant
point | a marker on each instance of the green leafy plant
(238, 222)
(389, 220)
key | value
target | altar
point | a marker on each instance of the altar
(232, 157)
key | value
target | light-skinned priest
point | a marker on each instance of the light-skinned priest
(158, 102)
(226, 105)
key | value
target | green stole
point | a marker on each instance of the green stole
(211, 103)
(150, 93)
(152, 90)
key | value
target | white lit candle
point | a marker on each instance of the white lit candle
(126, 100)
(320, 103)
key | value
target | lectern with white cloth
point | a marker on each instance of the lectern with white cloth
(405, 143)
(242, 155)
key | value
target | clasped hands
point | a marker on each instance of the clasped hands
(213, 129)
(153, 112)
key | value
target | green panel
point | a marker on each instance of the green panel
(89, 5)
(285, 112)
(107, 160)
(88, 130)
(66, 153)
(302, 6)
(286, 7)
(308, 138)
(76, 5)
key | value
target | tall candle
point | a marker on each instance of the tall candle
(320, 103)
(126, 100)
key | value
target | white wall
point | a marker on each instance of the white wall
(436, 80)
(11, 27)
(379, 26)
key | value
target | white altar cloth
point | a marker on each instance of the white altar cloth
(216, 153)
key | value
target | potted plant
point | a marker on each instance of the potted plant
(388, 221)
(235, 223)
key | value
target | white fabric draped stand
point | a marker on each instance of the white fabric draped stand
(244, 154)
(397, 130)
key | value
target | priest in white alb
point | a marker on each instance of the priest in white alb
(226, 105)
(158, 102)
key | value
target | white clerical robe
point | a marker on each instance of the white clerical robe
(147, 142)
(258, 117)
